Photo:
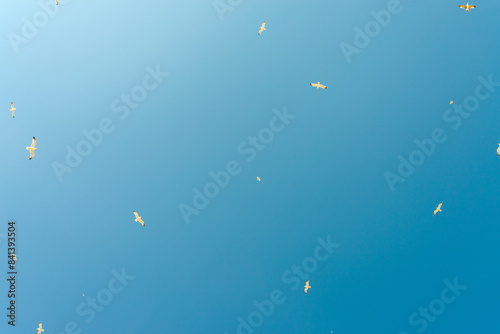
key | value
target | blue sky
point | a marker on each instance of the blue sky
(323, 172)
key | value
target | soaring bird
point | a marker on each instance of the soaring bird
(498, 150)
(14, 256)
(467, 7)
(12, 108)
(258, 178)
(307, 287)
(451, 102)
(32, 148)
(262, 28)
(438, 209)
(39, 329)
(318, 85)
(138, 219)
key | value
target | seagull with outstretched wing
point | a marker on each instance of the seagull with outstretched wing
(307, 287)
(467, 7)
(39, 329)
(262, 28)
(138, 219)
(12, 108)
(318, 85)
(32, 148)
(438, 209)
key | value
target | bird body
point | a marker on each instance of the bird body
(138, 219)
(262, 28)
(32, 148)
(438, 209)
(318, 85)
(12, 108)
(467, 7)
(307, 287)
(258, 178)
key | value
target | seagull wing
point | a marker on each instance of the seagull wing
(136, 214)
(462, 6)
(324, 87)
(33, 143)
(12, 104)
(140, 221)
(314, 85)
(472, 6)
(498, 151)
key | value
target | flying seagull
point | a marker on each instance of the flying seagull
(307, 287)
(32, 148)
(262, 28)
(12, 108)
(318, 85)
(39, 329)
(438, 209)
(451, 102)
(498, 150)
(14, 255)
(467, 7)
(258, 178)
(138, 219)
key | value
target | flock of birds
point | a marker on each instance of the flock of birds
(318, 85)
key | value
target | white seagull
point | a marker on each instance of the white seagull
(262, 28)
(467, 7)
(307, 287)
(138, 219)
(32, 148)
(438, 209)
(12, 108)
(39, 329)
(318, 85)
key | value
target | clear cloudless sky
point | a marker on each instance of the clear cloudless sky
(323, 175)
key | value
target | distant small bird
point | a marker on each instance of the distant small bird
(14, 255)
(498, 150)
(12, 108)
(138, 219)
(451, 102)
(262, 28)
(32, 148)
(258, 178)
(438, 209)
(307, 287)
(318, 85)
(83, 294)
(39, 329)
(467, 7)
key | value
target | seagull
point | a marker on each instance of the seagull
(307, 287)
(32, 148)
(318, 85)
(83, 294)
(498, 150)
(39, 329)
(451, 102)
(14, 255)
(467, 7)
(12, 108)
(138, 219)
(438, 209)
(262, 28)
(258, 178)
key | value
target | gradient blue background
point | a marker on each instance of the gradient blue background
(322, 175)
